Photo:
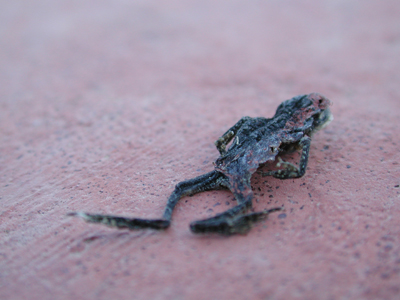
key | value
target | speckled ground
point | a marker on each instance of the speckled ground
(105, 106)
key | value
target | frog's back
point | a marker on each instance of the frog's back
(255, 143)
(259, 139)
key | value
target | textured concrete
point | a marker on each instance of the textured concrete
(106, 105)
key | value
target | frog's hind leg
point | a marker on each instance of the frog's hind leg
(236, 219)
(210, 181)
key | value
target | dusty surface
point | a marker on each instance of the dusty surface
(105, 106)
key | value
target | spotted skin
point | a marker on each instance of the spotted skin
(255, 141)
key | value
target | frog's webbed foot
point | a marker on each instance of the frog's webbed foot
(122, 222)
(228, 224)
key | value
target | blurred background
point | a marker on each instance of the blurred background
(106, 105)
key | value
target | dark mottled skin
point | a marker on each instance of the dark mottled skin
(255, 141)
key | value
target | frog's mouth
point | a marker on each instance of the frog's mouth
(323, 119)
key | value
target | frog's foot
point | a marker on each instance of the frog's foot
(226, 224)
(121, 222)
(286, 165)
(288, 168)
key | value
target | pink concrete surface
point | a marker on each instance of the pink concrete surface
(106, 105)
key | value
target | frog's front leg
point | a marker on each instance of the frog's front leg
(290, 170)
(229, 135)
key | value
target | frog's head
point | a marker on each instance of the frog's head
(307, 113)
(322, 115)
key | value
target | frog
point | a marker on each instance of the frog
(245, 147)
